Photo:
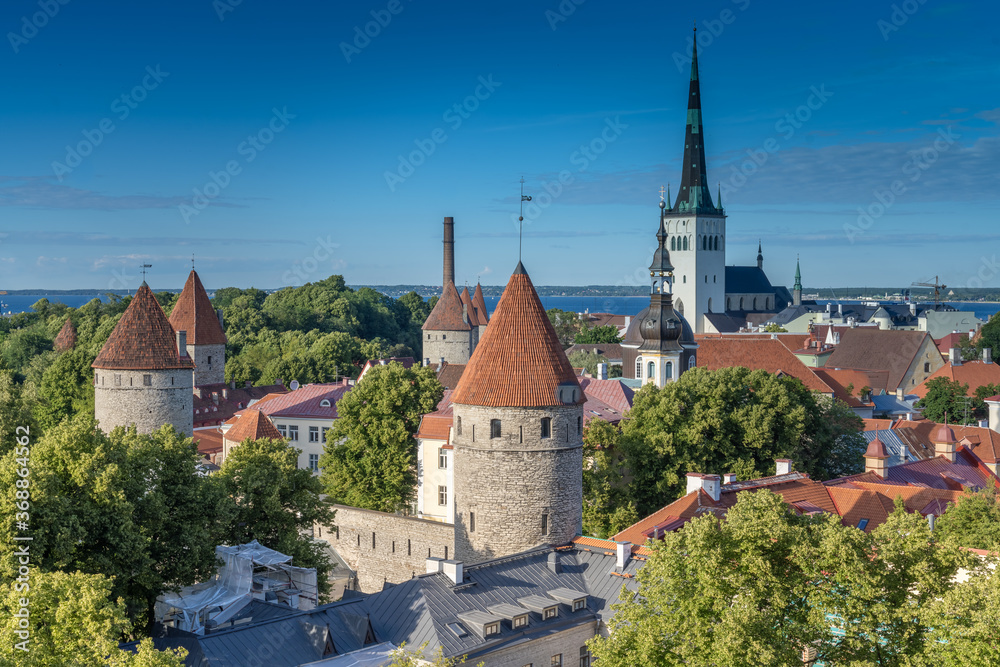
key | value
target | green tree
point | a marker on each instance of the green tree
(732, 420)
(567, 325)
(775, 328)
(16, 410)
(597, 335)
(66, 388)
(73, 621)
(275, 503)
(989, 336)
(404, 657)
(973, 522)
(964, 621)
(946, 400)
(606, 507)
(369, 460)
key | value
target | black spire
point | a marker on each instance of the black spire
(661, 265)
(694, 196)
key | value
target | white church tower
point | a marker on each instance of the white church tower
(696, 227)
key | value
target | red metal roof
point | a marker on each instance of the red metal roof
(519, 361)
(143, 339)
(195, 314)
(305, 402)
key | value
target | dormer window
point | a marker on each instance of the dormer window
(491, 629)
(325, 403)
(568, 393)
(520, 621)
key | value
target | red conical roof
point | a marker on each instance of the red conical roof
(943, 433)
(447, 313)
(143, 339)
(480, 303)
(194, 314)
(471, 309)
(876, 450)
(66, 338)
(519, 361)
(252, 425)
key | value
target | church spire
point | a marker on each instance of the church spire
(797, 288)
(760, 256)
(694, 195)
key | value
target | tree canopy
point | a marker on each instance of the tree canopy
(949, 400)
(596, 335)
(369, 459)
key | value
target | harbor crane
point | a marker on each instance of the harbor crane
(937, 289)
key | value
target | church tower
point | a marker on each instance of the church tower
(206, 341)
(518, 435)
(797, 287)
(143, 374)
(695, 226)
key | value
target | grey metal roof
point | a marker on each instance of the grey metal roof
(566, 595)
(508, 611)
(747, 280)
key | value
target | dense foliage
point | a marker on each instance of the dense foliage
(973, 522)
(948, 400)
(597, 335)
(764, 584)
(369, 460)
(588, 362)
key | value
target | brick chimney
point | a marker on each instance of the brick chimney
(182, 349)
(449, 251)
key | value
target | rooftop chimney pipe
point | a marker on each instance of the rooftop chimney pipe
(182, 350)
(449, 251)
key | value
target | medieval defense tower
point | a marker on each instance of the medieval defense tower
(206, 341)
(143, 374)
(518, 435)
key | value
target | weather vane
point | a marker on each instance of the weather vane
(144, 267)
(520, 219)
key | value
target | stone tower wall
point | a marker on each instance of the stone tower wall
(208, 372)
(455, 346)
(122, 398)
(510, 482)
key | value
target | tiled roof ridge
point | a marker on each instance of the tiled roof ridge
(195, 314)
(519, 361)
(143, 339)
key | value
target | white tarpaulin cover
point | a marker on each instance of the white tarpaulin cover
(256, 552)
(372, 656)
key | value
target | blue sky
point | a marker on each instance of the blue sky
(266, 138)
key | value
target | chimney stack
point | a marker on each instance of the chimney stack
(449, 251)
(782, 466)
(711, 484)
(623, 552)
(729, 478)
(453, 570)
(945, 442)
(434, 564)
(693, 482)
(955, 356)
(904, 453)
(553, 562)
(987, 355)
(182, 350)
(602, 371)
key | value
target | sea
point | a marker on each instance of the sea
(616, 305)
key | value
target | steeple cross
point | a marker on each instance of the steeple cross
(662, 190)
(144, 267)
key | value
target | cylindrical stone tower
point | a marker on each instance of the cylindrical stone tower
(143, 375)
(518, 435)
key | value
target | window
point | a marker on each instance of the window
(442, 458)
(472, 522)
(428, 336)
(442, 495)
(283, 430)
(556, 660)
(443, 336)
(927, 367)
(209, 360)
(314, 434)
(551, 612)
(325, 403)
(638, 368)
(546, 427)
(862, 524)
(314, 462)
(118, 379)
(293, 433)
(668, 370)
(458, 425)
(491, 629)
(579, 425)
(579, 604)
(520, 621)
(545, 523)
(473, 433)
(171, 380)
(494, 428)
(651, 370)
(584, 657)
(673, 243)
(322, 433)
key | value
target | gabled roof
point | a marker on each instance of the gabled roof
(405, 362)
(447, 313)
(195, 314)
(469, 307)
(252, 425)
(868, 348)
(840, 380)
(519, 361)
(66, 338)
(756, 353)
(612, 392)
(449, 374)
(954, 339)
(308, 402)
(143, 339)
(748, 280)
(437, 425)
(215, 403)
(480, 303)
(973, 373)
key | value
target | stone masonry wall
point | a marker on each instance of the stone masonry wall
(384, 547)
(510, 482)
(121, 398)
(206, 372)
(540, 652)
(454, 346)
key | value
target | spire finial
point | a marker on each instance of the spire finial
(143, 268)
(720, 194)
(520, 219)
(192, 261)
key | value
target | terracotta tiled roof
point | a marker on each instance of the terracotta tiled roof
(756, 353)
(216, 403)
(519, 361)
(855, 505)
(946, 343)
(305, 402)
(447, 313)
(437, 425)
(195, 314)
(616, 394)
(252, 425)
(868, 348)
(209, 441)
(66, 338)
(449, 374)
(143, 339)
(973, 373)
(470, 308)
(840, 379)
(480, 303)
